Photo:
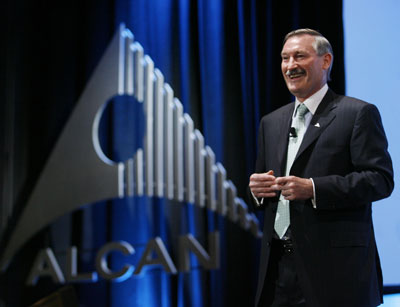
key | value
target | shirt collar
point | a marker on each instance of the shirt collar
(314, 100)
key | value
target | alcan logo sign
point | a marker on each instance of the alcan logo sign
(174, 163)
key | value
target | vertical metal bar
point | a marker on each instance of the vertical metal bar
(199, 155)
(139, 182)
(138, 86)
(158, 133)
(221, 192)
(169, 141)
(210, 178)
(129, 177)
(121, 60)
(226, 191)
(149, 111)
(129, 63)
(189, 159)
(178, 150)
(244, 217)
(121, 179)
(232, 212)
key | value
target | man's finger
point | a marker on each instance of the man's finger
(285, 179)
(262, 177)
(262, 189)
(276, 187)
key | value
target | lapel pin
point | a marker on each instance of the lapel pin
(317, 125)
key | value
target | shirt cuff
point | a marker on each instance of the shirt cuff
(259, 201)
(314, 199)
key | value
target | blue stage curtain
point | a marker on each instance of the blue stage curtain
(222, 59)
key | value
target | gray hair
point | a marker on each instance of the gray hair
(321, 45)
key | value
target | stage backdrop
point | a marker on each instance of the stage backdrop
(222, 59)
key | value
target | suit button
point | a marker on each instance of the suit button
(268, 243)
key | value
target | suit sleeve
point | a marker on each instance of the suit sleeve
(260, 162)
(371, 177)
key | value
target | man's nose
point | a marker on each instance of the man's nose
(291, 63)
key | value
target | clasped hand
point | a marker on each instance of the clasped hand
(265, 185)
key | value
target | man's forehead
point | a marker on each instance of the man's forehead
(298, 43)
(301, 37)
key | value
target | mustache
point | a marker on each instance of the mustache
(294, 72)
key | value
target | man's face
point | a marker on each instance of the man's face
(303, 70)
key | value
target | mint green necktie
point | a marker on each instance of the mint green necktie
(282, 219)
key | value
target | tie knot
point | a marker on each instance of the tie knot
(301, 110)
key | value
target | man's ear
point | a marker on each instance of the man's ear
(327, 57)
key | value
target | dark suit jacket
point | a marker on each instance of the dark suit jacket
(345, 152)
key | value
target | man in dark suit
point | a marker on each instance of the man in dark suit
(322, 161)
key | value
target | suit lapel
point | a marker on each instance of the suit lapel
(285, 122)
(321, 119)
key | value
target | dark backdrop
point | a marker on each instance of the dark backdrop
(222, 58)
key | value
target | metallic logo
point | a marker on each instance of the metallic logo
(174, 162)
